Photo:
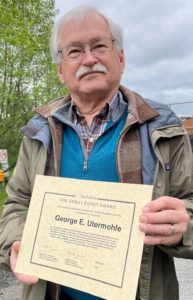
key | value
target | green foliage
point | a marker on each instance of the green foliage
(2, 197)
(28, 77)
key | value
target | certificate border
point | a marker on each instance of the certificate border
(127, 251)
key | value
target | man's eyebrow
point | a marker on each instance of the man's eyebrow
(78, 43)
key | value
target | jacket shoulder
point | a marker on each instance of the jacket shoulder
(167, 117)
(38, 129)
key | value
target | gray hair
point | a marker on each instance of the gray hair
(79, 14)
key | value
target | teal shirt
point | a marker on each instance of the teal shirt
(78, 295)
(100, 166)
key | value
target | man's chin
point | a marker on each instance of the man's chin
(91, 88)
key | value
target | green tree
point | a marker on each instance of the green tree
(28, 78)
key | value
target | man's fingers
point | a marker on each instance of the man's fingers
(164, 221)
(16, 246)
(14, 254)
(162, 240)
(165, 217)
(26, 279)
(165, 210)
(159, 229)
(163, 203)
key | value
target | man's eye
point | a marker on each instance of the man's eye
(98, 46)
(74, 52)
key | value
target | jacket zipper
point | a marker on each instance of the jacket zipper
(85, 166)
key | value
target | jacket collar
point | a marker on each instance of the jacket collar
(137, 106)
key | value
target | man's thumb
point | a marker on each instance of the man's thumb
(16, 246)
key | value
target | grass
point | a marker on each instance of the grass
(3, 195)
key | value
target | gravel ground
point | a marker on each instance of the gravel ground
(185, 277)
(10, 289)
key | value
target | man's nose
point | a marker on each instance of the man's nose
(88, 57)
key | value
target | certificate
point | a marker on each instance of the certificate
(85, 235)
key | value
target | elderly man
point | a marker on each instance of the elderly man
(103, 131)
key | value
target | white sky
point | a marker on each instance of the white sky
(158, 45)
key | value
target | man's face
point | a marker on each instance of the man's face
(99, 82)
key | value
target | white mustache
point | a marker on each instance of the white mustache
(83, 70)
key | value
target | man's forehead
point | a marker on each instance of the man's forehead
(74, 25)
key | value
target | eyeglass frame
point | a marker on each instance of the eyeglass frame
(91, 50)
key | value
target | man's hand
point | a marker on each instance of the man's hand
(164, 221)
(26, 279)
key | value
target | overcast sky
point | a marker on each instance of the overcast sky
(158, 45)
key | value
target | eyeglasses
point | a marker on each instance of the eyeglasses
(97, 47)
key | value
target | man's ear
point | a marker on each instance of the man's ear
(60, 73)
(122, 60)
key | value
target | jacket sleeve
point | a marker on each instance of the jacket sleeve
(180, 185)
(16, 206)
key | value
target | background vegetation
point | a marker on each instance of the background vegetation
(2, 197)
(27, 76)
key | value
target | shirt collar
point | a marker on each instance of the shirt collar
(111, 110)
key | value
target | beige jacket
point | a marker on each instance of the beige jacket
(170, 143)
